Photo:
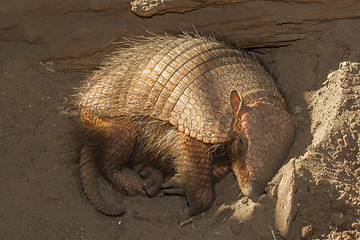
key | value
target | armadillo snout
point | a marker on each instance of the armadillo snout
(269, 131)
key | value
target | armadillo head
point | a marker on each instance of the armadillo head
(263, 134)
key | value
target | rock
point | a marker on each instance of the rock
(306, 231)
(285, 207)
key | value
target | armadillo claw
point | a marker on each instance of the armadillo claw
(153, 179)
(199, 199)
(172, 187)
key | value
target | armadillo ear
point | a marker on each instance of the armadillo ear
(235, 101)
(238, 106)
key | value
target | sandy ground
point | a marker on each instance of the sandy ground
(41, 197)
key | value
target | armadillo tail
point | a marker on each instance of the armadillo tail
(88, 174)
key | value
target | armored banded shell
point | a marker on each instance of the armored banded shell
(184, 80)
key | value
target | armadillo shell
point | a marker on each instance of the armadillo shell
(183, 80)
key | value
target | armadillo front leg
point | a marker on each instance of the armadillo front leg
(219, 170)
(193, 174)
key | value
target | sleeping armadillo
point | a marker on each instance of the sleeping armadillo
(186, 109)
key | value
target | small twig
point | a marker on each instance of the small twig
(49, 69)
(164, 228)
(190, 220)
(272, 232)
(44, 74)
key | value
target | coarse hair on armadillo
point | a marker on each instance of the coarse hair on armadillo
(126, 49)
(184, 80)
(158, 138)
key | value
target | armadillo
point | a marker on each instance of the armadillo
(186, 108)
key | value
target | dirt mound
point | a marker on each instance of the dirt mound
(330, 168)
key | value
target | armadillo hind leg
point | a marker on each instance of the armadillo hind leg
(89, 174)
(116, 149)
(193, 174)
(126, 179)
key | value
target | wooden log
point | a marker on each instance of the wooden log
(72, 30)
(254, 23)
